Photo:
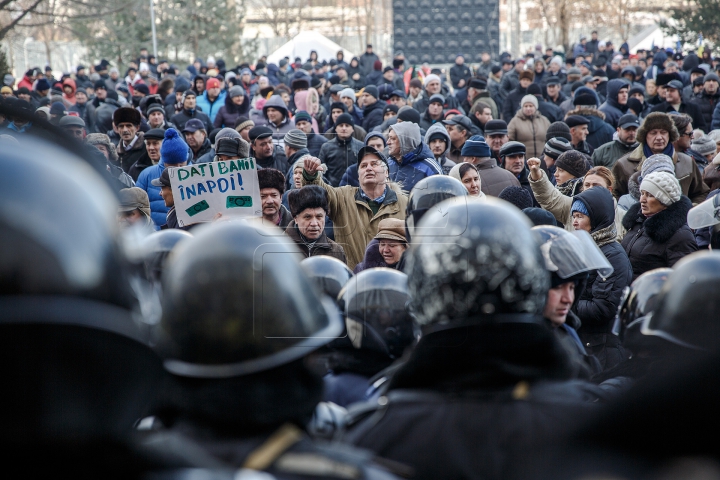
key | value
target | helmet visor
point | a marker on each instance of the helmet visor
(573, 253)
(706, 214)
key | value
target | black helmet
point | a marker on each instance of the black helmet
(687, 309)
(58, 227)
(73, 360)
(235, 302)
(639, 299)
(330, 274)
(427, 193)
(570, 256)
(480, 264)
(375, 307)
(157, 246)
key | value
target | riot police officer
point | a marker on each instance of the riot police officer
(240, 319)
(378, 327)
(427, 193)
(487, 380)
(77, 370)
(329, 274)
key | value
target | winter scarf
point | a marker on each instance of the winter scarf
(605, 235)
(669, 150)
(569, 188)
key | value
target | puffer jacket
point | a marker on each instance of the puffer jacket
(708, 105)
(228, 113)
(355, 223)
(599, 301)
(530, 131)
(686, 171)
(181, 118)
(338, 154)
(559, 205)
(659, 241)
(211, 108)
(416, 160)
(599, 131)
(611, 108)
(158, 210)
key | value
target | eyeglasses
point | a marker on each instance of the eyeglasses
(686, 134)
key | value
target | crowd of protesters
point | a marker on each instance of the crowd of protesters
(568, 180)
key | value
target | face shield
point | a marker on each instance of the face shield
(706, 214)
(567, 254)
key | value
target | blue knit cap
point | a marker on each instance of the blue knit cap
(475, 146)
(174, 150)
(579, 206)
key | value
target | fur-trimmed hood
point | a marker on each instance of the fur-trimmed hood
(663, 225)
(586, 111)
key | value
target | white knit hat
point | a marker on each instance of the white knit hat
(663, 186)
(529, 99)
(430, 78)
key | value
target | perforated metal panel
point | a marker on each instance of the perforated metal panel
(436, 31)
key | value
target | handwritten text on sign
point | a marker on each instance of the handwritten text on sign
(229, 187)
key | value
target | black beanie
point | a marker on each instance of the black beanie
(534, 89)
(409, 114)
(518, 196)
(344, 118)
(339, 105)
(373, 91)
(558, 129)
(574, 163)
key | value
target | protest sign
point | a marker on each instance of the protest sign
(229, 187)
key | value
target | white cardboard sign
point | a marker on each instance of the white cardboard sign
(203, 190)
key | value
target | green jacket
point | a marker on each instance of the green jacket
(606, 155)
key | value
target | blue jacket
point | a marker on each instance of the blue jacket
(415, 166)
(345, 388)
(158, 210)
(211, 109)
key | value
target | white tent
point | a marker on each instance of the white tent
(303, 43)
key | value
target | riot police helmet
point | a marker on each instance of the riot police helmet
(427, 193)
(237, 302)
(375, 307)
(475, 263)
(639, 300)
(157, 246)
(329, 274)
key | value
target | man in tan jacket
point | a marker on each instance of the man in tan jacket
(356, 212)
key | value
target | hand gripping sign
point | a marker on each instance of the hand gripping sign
(229, 187)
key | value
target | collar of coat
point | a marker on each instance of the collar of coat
(663, 225)
(293, 232)
(390, 195)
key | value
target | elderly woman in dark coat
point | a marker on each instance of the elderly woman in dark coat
(657, 231)
(594, 211)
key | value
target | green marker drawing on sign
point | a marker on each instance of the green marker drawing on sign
(197, 208)
(237, 202)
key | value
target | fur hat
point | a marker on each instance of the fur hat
(663, 186)
(529, 74)
(102, 139)
(657, 120)
(271, 178)
(126, 115)
(309, 196)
